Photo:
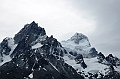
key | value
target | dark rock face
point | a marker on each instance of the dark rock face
(100, 57)
(4, 48)
(93, 52)
(32, 30)
(113, 60)
(74, 53)
(38, 61)
(79, 60)
(22, 45)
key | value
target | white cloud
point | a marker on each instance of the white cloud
(58, 17)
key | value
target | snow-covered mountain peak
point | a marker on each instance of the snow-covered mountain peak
(78, 38)
(79, 35)
(78, 44)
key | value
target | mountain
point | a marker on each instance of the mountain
(79, 44)
(86, 60)
(31, 54)
(34, 55)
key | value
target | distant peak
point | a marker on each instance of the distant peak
(77, 37)
(78, 34)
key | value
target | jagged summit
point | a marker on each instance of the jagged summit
(78, 43)
(77, 37)
(30, 30)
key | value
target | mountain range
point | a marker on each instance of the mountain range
(31, 54)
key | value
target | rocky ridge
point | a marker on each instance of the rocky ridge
(31, 54)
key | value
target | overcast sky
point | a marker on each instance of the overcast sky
(97, 19)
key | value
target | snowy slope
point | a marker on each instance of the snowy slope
(79, 48)
(92, 65)
(78, 44)
(36, 45)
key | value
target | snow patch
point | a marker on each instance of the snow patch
(12, 48)
(6, 59)
(37, 45)
(11, 44)
(31, 75)
(117, 68)
(71, 61)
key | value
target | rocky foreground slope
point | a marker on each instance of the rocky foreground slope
(31, 54)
